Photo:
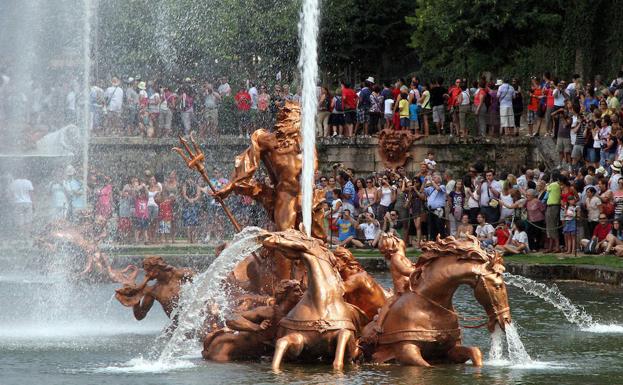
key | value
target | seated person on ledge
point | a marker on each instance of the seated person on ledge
(371, 229)
(518, 243)
(346, 227)
(600, 235)
(484, 232)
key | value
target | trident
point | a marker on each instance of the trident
(194, 160)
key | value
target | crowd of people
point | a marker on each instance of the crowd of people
(549, 211)
(146, 209)
(154, 108)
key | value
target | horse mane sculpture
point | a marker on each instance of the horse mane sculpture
(421, 326)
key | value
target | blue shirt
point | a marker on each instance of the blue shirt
(345, 229)
(364, 97)
(436, 199)
(349, 189)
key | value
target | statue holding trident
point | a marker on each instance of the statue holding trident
(279, 150)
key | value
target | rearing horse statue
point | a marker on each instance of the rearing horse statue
(421, 326)
(322, 324)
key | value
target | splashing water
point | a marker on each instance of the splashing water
(517, 355)
(308, 64)
(206, 290)
(552, 295)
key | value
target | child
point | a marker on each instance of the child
(126, 206)
(141, 216)
(430, 161)
(413, 118)
(502, 234)
(569, 230)
(165, 215)
(403, 108)
(389, 108)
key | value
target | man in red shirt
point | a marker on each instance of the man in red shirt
(243, 103)
(602, 229)
(349, 100)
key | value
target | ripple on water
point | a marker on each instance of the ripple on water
(143, 365)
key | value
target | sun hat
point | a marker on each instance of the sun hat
(616, 166)
(141, 86)
(499, 82)
(601, 170)
(370, 79)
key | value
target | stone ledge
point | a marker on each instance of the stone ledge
(588, 273)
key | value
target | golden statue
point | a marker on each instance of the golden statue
(422, 327)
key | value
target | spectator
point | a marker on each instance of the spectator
(211, 102)
(75, 192)
(416, 201)
(377, 109)
(371, 229)
(570, 226)
(489, 193)
(349, 195)
(437, 100)
(263, 109)
(21, 195)
(502, 233)
(126, 207)
(243, 105)
(346, 230)
(615, 238)
(165, 216)
(436, 200)
(403, 108)
(519, 242)
(392, 223)
(484, 232)
(385, 197)
(552, 214)
(535, 210)
(464, 228)
(185, 104)
(464, 107)
(425, 108)
(141, 216)
(364, 105)
(598, 240)
(593, 208)
(336, 119)
(536, 94)
(58, 198)
(324, 112)
(456, 200)
(517, 106)
(482, 101)
(350, 108)
(114, 104)
(190, 212)
(505, 94)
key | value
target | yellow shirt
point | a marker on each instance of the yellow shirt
(403, 107)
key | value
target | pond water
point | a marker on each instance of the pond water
(54, 333)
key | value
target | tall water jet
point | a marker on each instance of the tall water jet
(308, 64)
(86, 118)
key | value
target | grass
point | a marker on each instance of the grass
(581, 259)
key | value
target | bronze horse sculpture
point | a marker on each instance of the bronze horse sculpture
(421, 326)
(322, 324)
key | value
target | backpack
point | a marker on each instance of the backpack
(338, 104)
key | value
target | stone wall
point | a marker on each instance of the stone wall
(125, 157)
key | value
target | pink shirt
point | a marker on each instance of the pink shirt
(140, 208)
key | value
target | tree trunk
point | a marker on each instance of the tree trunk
(579, 62)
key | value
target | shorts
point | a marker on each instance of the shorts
(350, 117)
(164, 227)
(507, 119)
(563, 145)
(124, 224)
(531, 117)
(244, 117)
(577, 152)
(425, 111)
(438, 114)
(336, 119)
(404, 122)
(389, 117)
(570, 227)
(211, 115)
(141, 223)
(153, 212)
(363, 115)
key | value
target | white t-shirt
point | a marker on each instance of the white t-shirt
(224, 89)
(486, 195)
(504, 211)
(389, 104)
(370, 230)
(20, 190)
(484, 231)
(592, 206)
(521, 237)
(386, 196)
(559, 98)
(115, 98)
(430, 163)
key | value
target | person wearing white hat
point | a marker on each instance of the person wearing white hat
(613, 185)
(505, 94)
